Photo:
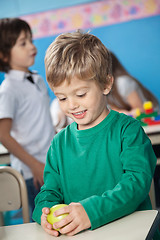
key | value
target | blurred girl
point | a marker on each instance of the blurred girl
(128, 93)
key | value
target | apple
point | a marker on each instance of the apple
(51, 218)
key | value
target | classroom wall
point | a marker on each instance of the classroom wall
(15, 8)
(135, 42)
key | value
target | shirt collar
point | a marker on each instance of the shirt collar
(16, 75)
(20, 75)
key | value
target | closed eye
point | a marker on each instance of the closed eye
(62, 99)
(81, 95)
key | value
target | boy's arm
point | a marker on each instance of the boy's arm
(16, 149)
(131, 192)
(50, 193)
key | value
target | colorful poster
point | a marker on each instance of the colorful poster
(88, 16)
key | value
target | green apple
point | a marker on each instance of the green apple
(51, 218)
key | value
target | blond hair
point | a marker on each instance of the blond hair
(77, 54)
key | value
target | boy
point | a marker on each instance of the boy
(102, 164)
(26, 128)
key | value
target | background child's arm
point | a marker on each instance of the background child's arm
(16, 149)
(134, 101)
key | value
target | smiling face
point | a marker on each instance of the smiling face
(23, 53)
(82, 100)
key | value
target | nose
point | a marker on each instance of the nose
(72, 104)
(31, 45)
(33, 48)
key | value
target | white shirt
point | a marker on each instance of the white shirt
(27, 105)
(59, 119)
(126, 85)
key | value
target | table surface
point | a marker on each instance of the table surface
(4, 155)
(153, 133)
(3, 150)
(132, 227)
(152, 129)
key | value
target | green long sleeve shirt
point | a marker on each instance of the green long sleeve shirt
(107, 168)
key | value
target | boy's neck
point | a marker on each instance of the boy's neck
(85, 127)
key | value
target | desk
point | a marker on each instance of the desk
(136, 226)
(4, 155)
(153, 133)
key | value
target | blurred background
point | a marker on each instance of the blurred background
(131, 29)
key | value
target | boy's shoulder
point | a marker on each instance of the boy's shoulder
(7, 86)
(123, 120)
(12, 78)
(123, 117)
(65, 131)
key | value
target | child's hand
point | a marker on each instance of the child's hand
(75, 222)
(46, 225)
(37, 170)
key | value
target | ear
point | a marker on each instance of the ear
(109, 84)
(4, 59)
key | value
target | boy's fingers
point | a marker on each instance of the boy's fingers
(52, 232)
(46, 225)
(60, 224)
(68, 228)
(61, 211)
(75, 231)
(45, 210)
